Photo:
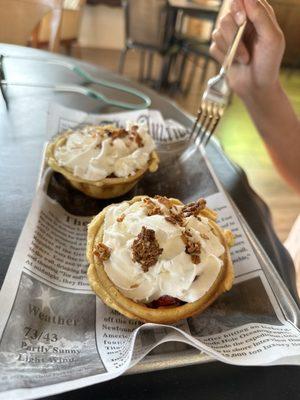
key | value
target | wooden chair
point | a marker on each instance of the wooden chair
(288, 15)
(19, 18)
(70, 25)
(148, 28)
(197, 49)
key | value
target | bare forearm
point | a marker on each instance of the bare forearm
(279, 127)
(254, 77)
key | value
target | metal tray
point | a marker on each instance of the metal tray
(184, 173)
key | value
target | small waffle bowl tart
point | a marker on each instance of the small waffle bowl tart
(106, 188)
(109, 293)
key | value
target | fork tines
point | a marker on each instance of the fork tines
(216, 95)
(208, 116)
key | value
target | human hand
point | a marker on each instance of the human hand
(257, 62)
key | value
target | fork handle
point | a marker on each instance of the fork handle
(233, 48)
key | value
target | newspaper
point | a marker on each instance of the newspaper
(56, 335)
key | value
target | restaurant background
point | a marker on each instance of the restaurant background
(173, 72)
(97, 42)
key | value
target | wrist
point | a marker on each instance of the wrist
(261, 95)
(271, 111)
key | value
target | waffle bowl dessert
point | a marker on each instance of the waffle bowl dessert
(158, 260)
(103, 161)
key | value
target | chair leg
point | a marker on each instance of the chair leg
(122, 60)
(35, 36)
(181, 70)
(191, 76)
(78, 51)
(142, 66)
(149, 67)
(68, 47)
(204, 71)
(163, 80)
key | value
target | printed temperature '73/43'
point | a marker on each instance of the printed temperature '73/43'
(35, 334)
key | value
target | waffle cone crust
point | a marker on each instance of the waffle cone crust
(111, 296)
(105, 188)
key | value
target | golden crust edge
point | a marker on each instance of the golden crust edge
(152, 166)
(109, 293)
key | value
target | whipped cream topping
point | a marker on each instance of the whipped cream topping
(96, 152)
(174, 274)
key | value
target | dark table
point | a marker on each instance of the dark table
(22, 134)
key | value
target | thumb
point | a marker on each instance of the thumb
(258, 14)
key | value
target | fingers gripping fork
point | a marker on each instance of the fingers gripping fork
(215, 97)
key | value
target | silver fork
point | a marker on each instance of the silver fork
(215, 97)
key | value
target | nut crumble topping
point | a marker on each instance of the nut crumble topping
(178, 217)
(195, 259)
(204, 236)
(135, 136)
(194, 208)
(175, 218)
(102, 251)
(139, 140)
(145, 249)
(134, 128)
(118, 133)
(152, 208)
(187, 211)
(121, 218)
(164, 200)
(192, 248)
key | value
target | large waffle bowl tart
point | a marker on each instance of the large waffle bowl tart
(106, 290)
(105, 188)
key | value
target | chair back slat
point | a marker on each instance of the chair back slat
(19, 18)
(147, 22)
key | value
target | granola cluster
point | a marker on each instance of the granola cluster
(191, 247)
(165, 201)
(121, 218)
(194, 208)
(116, 133)
(171, 214)
(177, 216)
(145, 248)
(152, 207)
(134, 135)
(102, 251)
(119, 133)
